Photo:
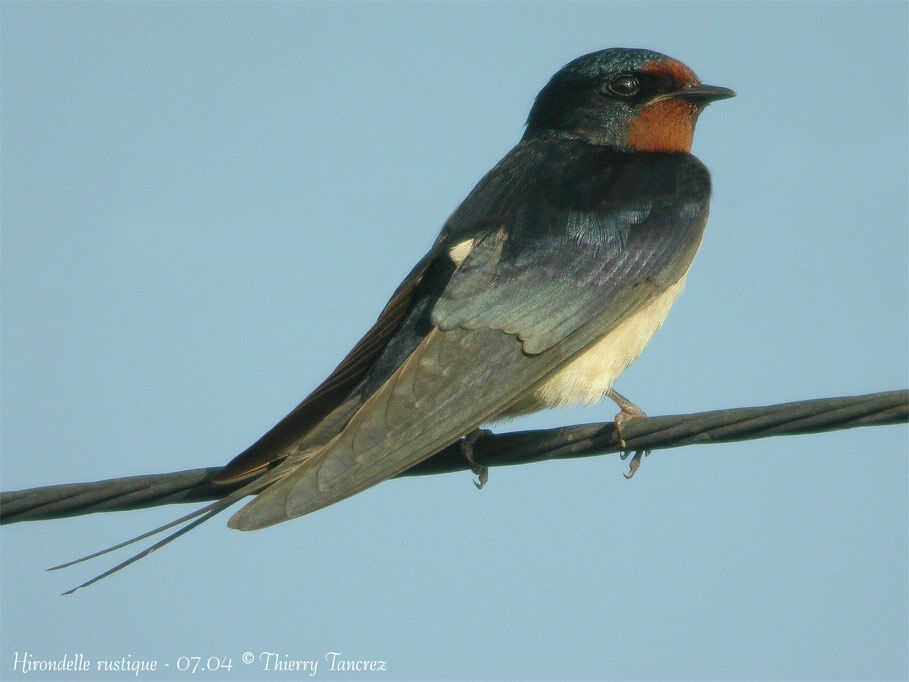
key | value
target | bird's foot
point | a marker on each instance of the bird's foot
(629, 411)
(635, 461)
(481, 470)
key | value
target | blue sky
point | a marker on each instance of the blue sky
(205, 205)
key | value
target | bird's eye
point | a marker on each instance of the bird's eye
(625, 85)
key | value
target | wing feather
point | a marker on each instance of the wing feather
(569, 240)
(332, 392)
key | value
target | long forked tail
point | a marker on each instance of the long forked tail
(139, 492)
(195, 518)
(134, 492)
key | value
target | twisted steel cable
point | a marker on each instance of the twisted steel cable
(521, 447)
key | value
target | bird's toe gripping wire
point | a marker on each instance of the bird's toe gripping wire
(629, 411)
(635, 461)
(481, 470)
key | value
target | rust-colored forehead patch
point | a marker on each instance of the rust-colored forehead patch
(679, 73)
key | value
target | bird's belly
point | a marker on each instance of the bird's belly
(591, 374)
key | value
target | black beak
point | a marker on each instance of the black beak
(703, 94)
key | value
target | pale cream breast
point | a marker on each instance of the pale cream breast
(588, 377)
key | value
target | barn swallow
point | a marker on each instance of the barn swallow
(544, 285)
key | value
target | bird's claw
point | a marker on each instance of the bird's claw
(480, 470)
(635, 461)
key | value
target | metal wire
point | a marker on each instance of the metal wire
(522, 447)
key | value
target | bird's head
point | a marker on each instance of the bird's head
(633, 100)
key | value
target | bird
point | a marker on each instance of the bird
(542, 287)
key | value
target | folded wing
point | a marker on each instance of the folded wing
(568, 240)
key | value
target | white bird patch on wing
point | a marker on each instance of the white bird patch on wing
(460, 251)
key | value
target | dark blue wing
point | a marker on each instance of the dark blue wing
(583, 234)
